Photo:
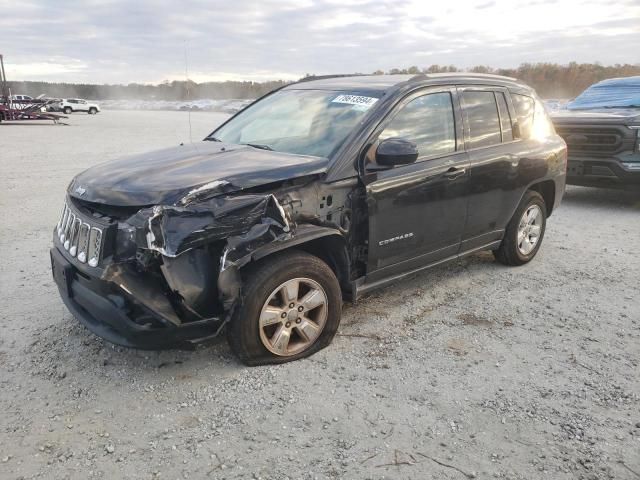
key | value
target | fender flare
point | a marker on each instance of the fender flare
(303, 234)
(229, 280)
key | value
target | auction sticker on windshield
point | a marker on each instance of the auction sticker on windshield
(361, 101)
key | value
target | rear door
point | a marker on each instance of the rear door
(494, 163)
(417, 212)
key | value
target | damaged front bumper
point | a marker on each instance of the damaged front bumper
(112, 313)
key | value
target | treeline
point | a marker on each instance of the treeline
(549, 79)
(176, 90)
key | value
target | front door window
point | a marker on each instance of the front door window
(427, 121)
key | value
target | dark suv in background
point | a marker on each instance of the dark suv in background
(318, 192)
(602, 130)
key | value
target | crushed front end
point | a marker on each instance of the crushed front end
(159, 276)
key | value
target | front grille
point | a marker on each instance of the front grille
(590, 140)
(80, 238)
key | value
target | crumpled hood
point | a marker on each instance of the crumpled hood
(624, 116)
(172, 175)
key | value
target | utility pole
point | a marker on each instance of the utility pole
(3, 81)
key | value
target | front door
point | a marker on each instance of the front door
(417, 212)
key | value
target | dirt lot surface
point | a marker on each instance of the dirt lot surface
(470, 370)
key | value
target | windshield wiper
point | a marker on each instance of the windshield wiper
(212, 139)
(261, 147)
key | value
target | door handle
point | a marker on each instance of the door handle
(454, 173)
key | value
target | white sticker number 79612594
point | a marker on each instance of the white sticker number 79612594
(355, 100)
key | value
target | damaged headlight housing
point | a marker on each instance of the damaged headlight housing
(126, 244)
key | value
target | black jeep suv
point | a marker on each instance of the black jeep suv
(318, 192)
(602, 130)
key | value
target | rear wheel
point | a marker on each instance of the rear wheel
(525, 231)
(289, 309)
(67, 110)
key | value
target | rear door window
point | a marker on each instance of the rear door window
(481, 113)
(505, 118)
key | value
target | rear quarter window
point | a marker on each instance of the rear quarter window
(525, 107)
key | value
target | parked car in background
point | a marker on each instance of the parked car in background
(70, 105)
(602, 130)
(21, 98)
(320, 191)
(26, 101)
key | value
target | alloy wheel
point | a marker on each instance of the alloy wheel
(529, 229)
(293, 316)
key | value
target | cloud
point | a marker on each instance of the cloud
(47, 68)
(118, 41)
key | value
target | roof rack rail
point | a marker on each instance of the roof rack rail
(422, 76)
(311, 78)
(419, 76)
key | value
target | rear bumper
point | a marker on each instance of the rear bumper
(109, 312)
(601, 172)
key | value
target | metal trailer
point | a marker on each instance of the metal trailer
(12, 111)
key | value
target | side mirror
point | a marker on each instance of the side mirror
(396, 151)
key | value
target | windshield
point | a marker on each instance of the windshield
(306, 122)
(613, 93)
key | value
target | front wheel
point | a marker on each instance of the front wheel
(525, 231)
(92, 111)
(290, 308)
(68, 110)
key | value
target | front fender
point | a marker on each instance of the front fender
(233, 259)
(303, 234)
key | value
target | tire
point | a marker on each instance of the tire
(67, 110)
(92, 111)
(523, 236)
(257, 337)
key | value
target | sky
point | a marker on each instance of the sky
(143, 41)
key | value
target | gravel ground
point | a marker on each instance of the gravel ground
(470, 370)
